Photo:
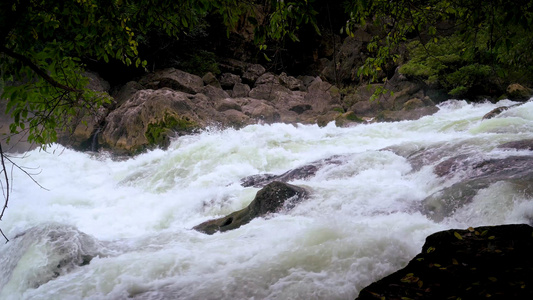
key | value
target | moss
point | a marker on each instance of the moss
(157, 133)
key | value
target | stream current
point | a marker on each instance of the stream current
(121, 229)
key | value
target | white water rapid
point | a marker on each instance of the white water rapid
(121, 229)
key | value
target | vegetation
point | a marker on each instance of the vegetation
(459, 44)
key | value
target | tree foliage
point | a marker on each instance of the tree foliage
(456, 40)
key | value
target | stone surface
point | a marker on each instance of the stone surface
(273, 198)
(174, 79)
(477, 263)
(518, 92)
(128, 127)
(476, 174)
(228, 80)
(302, 172)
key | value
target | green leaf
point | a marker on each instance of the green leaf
(457, 235)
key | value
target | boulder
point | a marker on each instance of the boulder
(252, 73)
(148, 119)
(517, 92)
(322, 96)
(302, 172)
(214, 93)
(273, 198)
(476, 174)
(290, 82)
(492, 262)
(344, 66)
(497, 111)
(240, 90)
(228, 80)
(174, 79)
(210, 79)
(518, 145)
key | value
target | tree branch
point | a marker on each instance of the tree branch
(6, 195)
(40, 72)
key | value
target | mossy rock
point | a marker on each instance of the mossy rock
(158, 133)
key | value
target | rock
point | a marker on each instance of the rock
(234, 118)
(497, 111)
(228, 80)
(300, 108)
(302, 172)
(96, 83)
(214, 93)
(413, 104)
(262, 111)
(274, 197)
(270, 92)
(174, 79)
(126, 92)
(411, 114)
(149, 119)
(484, 262)
(517, 92)
(228, 104)
(322, 96)
(290, 82)
(476, 174)
(240, 90)
(518, 145)
(252, 73)
(348, 59)
(210, 79)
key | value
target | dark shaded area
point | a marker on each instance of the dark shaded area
(491, 262)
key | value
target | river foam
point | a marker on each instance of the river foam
(122, 228)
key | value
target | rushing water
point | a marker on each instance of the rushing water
(134, 217)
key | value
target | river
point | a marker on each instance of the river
(107, 228)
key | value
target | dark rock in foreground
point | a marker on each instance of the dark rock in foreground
(492, 262)
(272, 198)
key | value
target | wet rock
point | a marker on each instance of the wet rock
(62, 249)
(148, 119)
(174, 79)
(272, 198)
(473, 175)
(517, 92)
(491, 262)
(302, 172)
(518, 145)
(408, 114)
(497, 111)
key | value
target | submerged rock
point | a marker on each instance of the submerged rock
(53, 250)
(272, 198)
(302, 172)
(485, 262)
(475, 175)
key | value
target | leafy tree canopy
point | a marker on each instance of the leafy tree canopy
(459, 43)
